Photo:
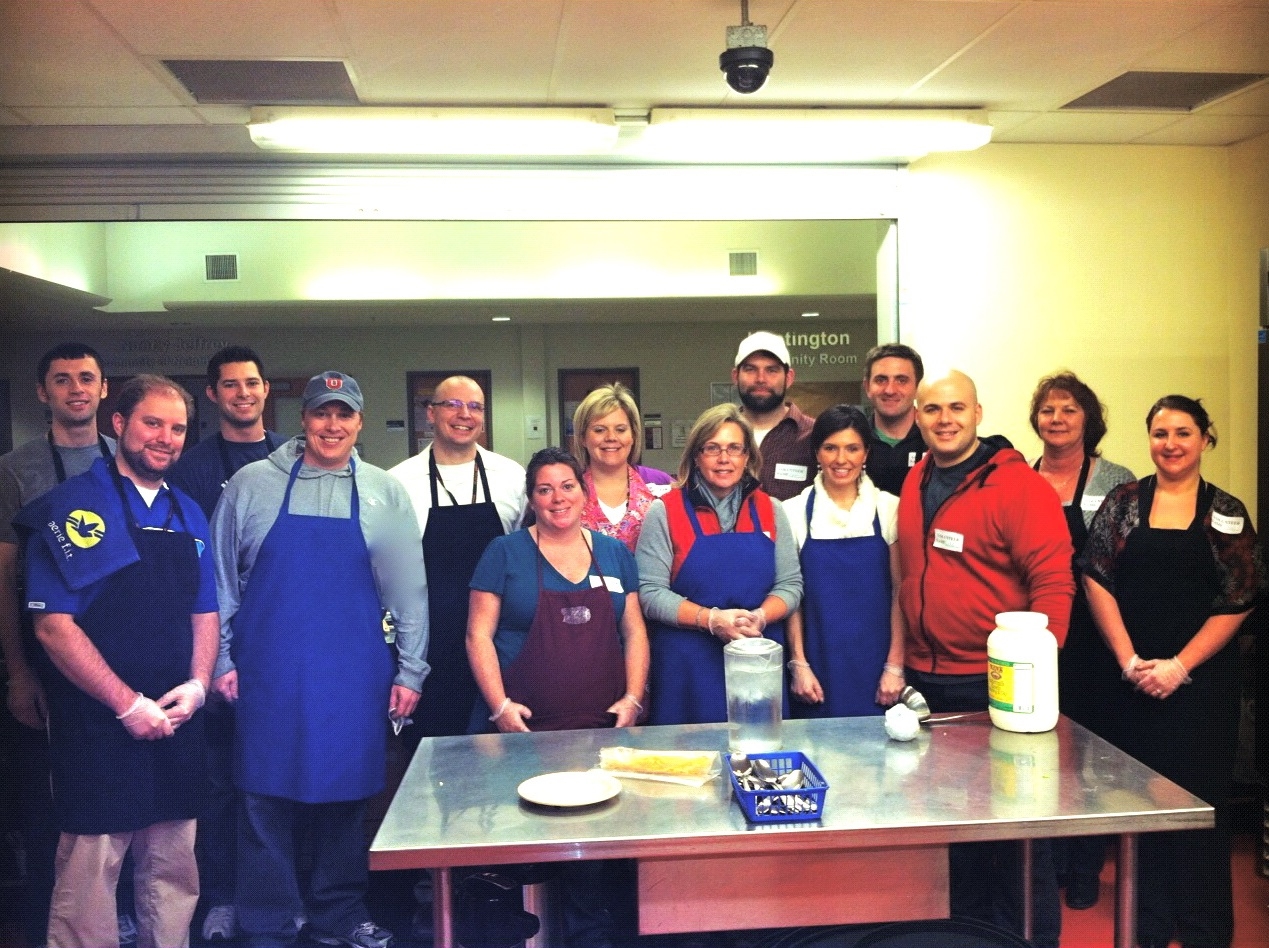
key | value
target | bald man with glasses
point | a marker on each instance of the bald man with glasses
(464, 497)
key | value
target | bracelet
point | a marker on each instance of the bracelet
(1132, 663)
(896, 670)
(697, 621)
(133, 709)
(794, 663)
(1184, 671)
(502, 707)
(633, 700)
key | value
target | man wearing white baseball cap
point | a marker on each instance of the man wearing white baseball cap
(762, 376)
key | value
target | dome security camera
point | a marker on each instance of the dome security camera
(746, 67)
(747, 61)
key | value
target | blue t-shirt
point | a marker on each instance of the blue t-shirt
(48, 590)
(201, 471)
(508, 570)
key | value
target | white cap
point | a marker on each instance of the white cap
(763, 341)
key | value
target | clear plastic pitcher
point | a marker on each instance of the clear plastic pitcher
(754, 672)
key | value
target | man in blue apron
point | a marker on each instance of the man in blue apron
(237, 386)
(464, 497)
(312, 548)
(124, 598)
(71, 382)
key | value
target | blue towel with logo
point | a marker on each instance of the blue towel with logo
(83, 523)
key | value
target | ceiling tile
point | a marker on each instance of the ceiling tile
(155, 140)
(1045, 54)
(226, 29)
(1252, 102)
(1233, 41)
(1209, 130)
(58, 53)
(439, 52)
(1086, 127)
(9, 117)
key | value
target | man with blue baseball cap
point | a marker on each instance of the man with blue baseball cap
(313, 549)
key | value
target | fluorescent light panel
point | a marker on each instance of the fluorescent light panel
(408, 131)
(696, 136)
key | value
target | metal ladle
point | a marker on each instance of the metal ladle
(916, 703)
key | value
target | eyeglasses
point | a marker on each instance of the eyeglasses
(712, 450)
(476, 408)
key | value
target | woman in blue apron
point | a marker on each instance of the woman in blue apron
(846, 640)
(1172, 569)
(557, 642)
(717, 562)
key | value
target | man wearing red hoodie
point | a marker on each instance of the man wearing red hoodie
(979, 533)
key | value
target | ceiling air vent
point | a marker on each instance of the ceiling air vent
(744, 263)
(1165, 91)
(221, 266)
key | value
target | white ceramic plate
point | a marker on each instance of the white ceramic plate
(570, 788)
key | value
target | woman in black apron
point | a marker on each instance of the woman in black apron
(1071, 422)
(557, 641)
(1172, 568)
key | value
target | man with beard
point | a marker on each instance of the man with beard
(236, 383)
(762, 376)
(70, 381)
(892, 373)
(125, 607)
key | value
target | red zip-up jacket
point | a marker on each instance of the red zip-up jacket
(1015, 554)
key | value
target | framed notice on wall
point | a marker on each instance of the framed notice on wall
(419, 389)
(576, 384)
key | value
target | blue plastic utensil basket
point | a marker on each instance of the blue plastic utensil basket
(783, 762)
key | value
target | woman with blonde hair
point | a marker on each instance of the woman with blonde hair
(717, 562)
(608, 440)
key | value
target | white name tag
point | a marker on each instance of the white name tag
(912, 459)
(1231, 525)
(947, 540)
(1092, 502)
(790, 472)
(612, 582)
(35, 604)
(659, 490)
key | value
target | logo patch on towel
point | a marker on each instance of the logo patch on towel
(85, 529)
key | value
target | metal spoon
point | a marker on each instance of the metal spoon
(765, 773)
(915, 701)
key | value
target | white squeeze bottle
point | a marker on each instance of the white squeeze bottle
(1022, 673)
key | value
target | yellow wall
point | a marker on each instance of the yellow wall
(1133, 266)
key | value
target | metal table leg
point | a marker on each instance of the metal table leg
(537, 901)
(1028, 886)
(1126, 892)
(442, 909)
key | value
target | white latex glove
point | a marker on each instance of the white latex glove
(1162, 677)
(146, 721)
(725, 624)
(181, 702)
(755, 619)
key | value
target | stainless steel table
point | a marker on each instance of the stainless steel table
(878, 854)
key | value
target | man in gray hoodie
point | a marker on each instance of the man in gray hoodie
(317, 554)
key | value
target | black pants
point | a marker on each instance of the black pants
(1184, 887)
(985, 879)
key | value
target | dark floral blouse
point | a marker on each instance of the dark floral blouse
(1237, 555)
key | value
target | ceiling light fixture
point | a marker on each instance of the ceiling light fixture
(746, 61)
(807, 136)
(440, 131)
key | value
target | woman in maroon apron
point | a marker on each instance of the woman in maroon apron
(557, 641)
(1171, 570)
